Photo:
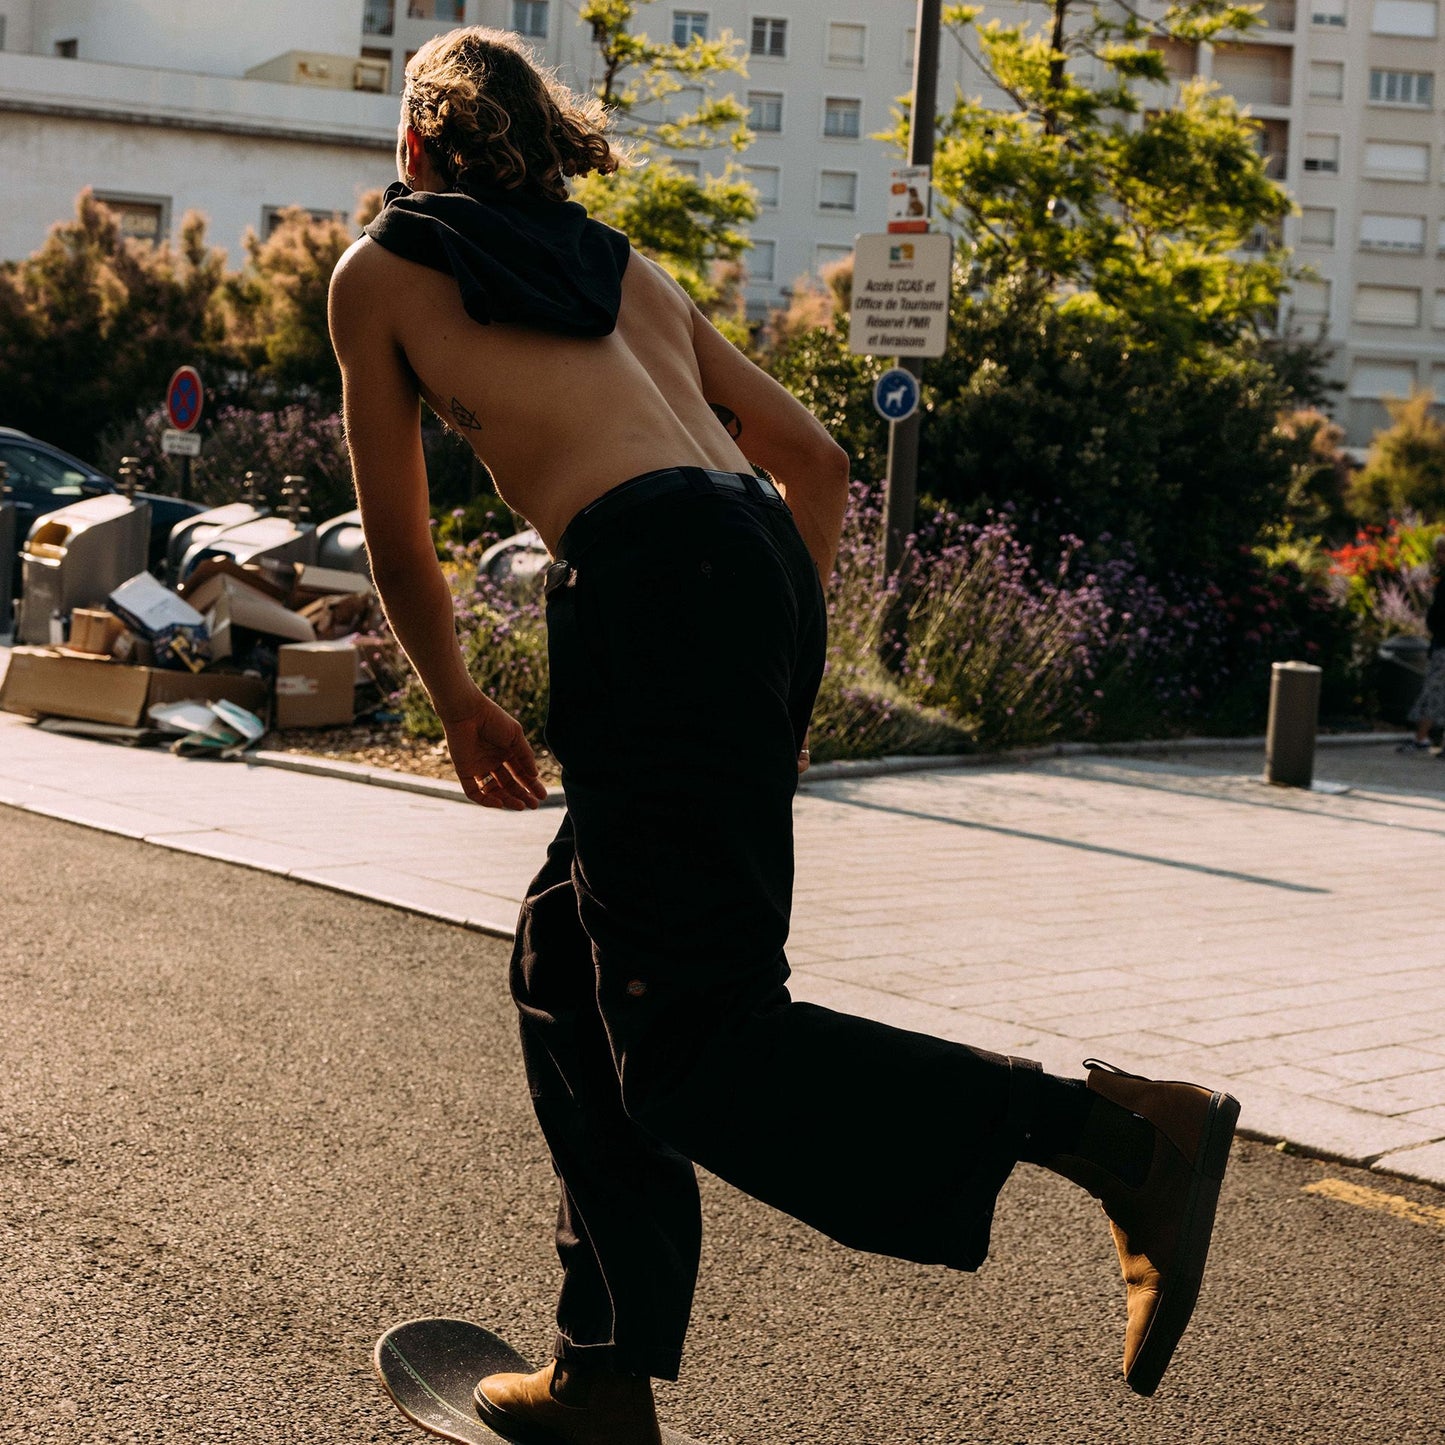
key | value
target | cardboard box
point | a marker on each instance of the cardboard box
(315, 582)
(276, 580)
(315, 684)
(173, 627)
(42, 683)
(230, 603)
(94, 631)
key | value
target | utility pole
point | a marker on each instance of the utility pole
(901, 484)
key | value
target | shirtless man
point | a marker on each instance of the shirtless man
(686, 629)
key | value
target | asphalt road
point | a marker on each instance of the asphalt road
(246, 1124)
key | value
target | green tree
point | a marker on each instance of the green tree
(1111, 370)
(275, 309)
(93, 324)
(1405, 469)
(661, 97)
(1134, 215)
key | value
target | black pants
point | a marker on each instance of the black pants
(686, 639)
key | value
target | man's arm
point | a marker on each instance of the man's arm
(776, 432)
(381, 408)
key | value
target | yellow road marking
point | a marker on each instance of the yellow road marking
(1393, 1204)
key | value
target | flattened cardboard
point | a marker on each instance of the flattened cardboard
(315, 684)
(42, 683)
(230, 603)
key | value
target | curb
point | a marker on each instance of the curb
(843, 771)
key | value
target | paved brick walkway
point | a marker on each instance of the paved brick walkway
(1169, 914)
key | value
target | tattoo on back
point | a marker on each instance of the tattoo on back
(464, 416)
(728, 417)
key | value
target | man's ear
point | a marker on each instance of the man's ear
(416, 156)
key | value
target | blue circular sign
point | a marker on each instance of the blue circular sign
(895, 394)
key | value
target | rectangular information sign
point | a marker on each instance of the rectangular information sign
(180, 443)
(900, 295)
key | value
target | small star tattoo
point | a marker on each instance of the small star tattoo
(464, 416)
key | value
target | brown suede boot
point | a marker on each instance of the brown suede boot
(601, 1408)
(1161, 1224)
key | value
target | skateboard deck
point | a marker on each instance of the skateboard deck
(430, 1367)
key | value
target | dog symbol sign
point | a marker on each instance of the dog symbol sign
(895, 394)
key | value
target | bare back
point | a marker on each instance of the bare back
(559, 420)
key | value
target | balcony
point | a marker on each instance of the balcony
(1251, 89)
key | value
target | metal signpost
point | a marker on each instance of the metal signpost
(901, 287)
(184, 398)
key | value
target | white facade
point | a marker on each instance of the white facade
(151, 105)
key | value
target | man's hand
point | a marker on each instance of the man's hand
(493, 758)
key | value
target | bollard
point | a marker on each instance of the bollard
(293, 492)
(127, 475)
(1294, 709)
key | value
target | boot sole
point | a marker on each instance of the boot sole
(1181, 1291)
(519, 1432)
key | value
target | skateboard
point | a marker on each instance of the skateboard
(430, 1367)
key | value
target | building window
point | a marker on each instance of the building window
(272, 217)
(142, 218)
(770, 38)
(688, 25)
(1317, 226)
(1375, 380)
(67, 49)
(1392, 233)
(1322, 153)
(838, 191)
(450, 10)
(765, 111)
(1415, 18)
(910, 44)
(761, 260)
(1397, 161)
(529, 17)
(379, 17)
(1402, 87)
(767, 181)
(1439, 321)
(842, 118)
(1387, 305)
(1310, 298)
(1440, 239)
(1328, 12)
(1327, 80)
(378, 56)
(829, 255)
(847, 44)
(691, 169)
(2, 32)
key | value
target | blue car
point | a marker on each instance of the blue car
(40, 478)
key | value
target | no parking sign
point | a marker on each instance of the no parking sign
(184, 396)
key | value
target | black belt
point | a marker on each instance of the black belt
(581, 530)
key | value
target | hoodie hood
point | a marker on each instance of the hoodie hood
(522, 259)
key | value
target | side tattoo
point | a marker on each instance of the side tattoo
(729, 418)
(464, 416)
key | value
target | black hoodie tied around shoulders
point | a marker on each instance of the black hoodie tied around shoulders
(518, 257)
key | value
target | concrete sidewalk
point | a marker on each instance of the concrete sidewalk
(1169, 914)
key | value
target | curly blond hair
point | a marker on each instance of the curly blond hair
(492, 119)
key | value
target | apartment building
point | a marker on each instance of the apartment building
(239, 110)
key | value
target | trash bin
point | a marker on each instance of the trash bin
(1399, 675)
(76, 556)
(7, 566)
(201, 528)
(522, 557)
(271, 538)
(340, 544)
